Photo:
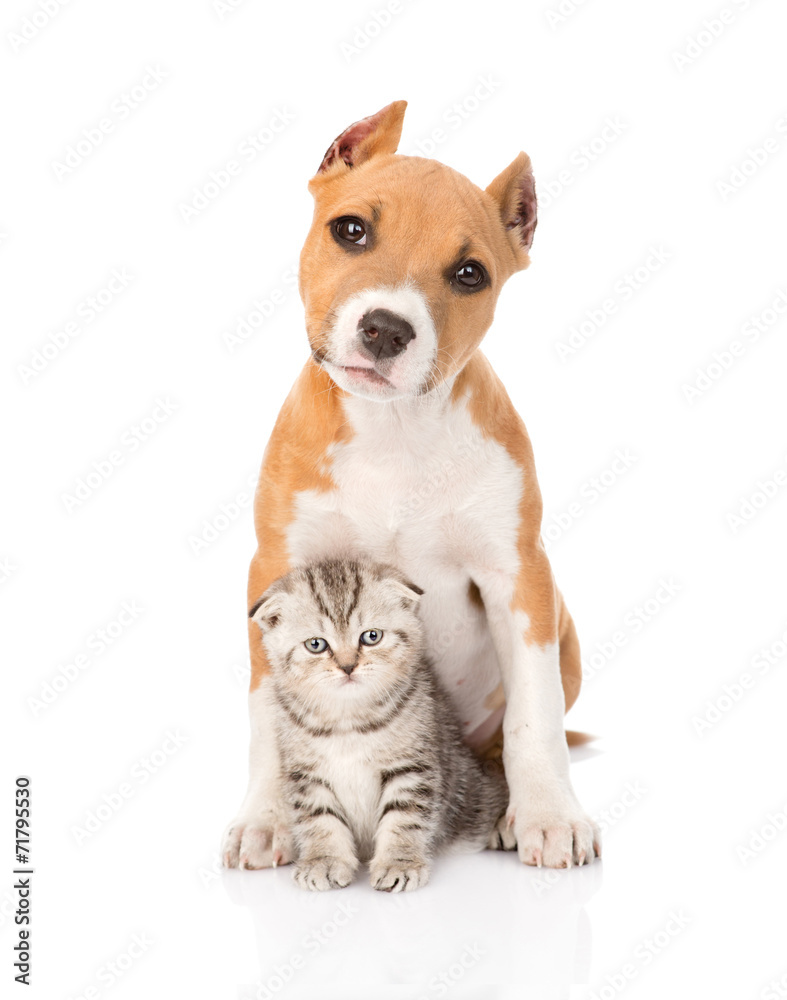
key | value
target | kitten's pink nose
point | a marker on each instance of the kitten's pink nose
(347, 667)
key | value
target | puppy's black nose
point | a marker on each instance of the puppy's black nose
(384, 334)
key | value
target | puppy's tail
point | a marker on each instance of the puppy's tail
(575, 739)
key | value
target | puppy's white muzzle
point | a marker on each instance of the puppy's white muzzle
(364, 365)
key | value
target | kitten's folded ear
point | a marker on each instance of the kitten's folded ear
(408, 590)
(268, 608)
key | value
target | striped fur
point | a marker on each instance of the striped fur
(374, 765)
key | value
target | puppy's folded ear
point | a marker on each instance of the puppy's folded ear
(364, 139)
(514, 190)
(266, 611)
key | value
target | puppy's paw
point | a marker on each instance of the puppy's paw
(502, 837)
(554, 838)
(398, 874)
(263, 842)
(320, 874)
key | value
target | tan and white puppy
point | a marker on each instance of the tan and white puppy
(399, 443)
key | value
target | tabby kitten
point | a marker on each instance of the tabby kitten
(373, 762)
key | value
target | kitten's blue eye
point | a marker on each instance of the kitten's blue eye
(316, 645)
(372, 637)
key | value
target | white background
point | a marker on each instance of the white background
(690, 104)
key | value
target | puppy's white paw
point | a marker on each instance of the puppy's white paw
(554, 838)
(320, 874)
(262, 842)
(398, 875)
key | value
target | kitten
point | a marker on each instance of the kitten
(373, 762)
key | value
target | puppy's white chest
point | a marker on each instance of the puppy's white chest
(421, 487)
(416, 483)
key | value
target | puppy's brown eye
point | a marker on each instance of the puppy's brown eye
(471, 275)
(350, 230)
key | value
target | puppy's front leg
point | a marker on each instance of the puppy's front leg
(550, 825)
(260, 836)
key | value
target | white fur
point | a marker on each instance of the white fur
(419, 486)
(247, 842)
(408, 371)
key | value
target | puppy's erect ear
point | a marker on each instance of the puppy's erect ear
(266, 611)
(514, 190)
(369, 137)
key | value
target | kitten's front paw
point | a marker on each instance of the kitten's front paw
(257, 843)
(320, 874)
(554, 838)
(398, 874)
